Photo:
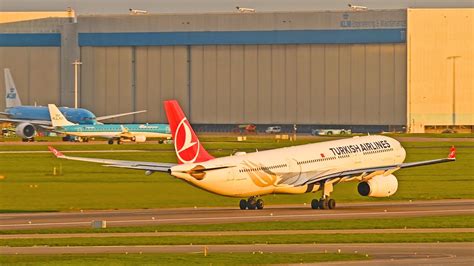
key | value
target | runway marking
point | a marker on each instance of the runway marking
(157, 220)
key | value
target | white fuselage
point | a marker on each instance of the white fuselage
(273, 171)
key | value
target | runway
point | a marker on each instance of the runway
(220, 215)
(386, 254)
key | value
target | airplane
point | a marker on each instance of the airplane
(368, 160)
(245, 9)
(357, 8)
(118, 132)
(30, 118)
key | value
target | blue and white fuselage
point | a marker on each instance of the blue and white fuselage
(41, 113)
(114, 130)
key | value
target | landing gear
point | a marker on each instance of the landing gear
(252, 204)
(325, 203)
(110, 141)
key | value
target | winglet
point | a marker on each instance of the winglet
(56, 153)
(452, 153)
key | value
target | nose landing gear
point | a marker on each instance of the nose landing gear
(251, 204)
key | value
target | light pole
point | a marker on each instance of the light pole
(454, 57)
(76, 64)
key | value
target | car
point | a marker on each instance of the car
(328, 132)
(273, 129)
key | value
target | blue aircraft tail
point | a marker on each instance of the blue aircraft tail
(11, 95)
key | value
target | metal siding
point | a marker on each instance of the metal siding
(209, 84)
(265, 87)
(167, 81)
(99, 90)
(141, 84)
(387, 84)
(341, 36)
(358, 78)
(197, 89)
(237, 83)
(181, 92)
(87, 95)
(344, 84)
(112, 79)
(303, 84)
(331, 84)
(278, 81)
(400, 94)
(290, 84)
(153, 97)
(124, 88)
(372, 83)
(223, 84)
(318, 101)
(250, 83)
(44, 78)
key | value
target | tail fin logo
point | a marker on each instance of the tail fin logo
(11, 94)
(186, 144)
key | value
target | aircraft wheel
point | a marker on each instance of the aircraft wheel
(119, 142)
(331, 204)
(161, 141)
(252, 204)
(315, 204)
(243, 204)
(260, 204)
(110, 141)
(323, 204)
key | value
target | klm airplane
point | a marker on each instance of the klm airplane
(118, 132)
(29, 118)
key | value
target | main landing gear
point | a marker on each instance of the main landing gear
(325, 202)
(252, 204)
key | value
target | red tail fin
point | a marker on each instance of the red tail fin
(186, 143)
(452, 153)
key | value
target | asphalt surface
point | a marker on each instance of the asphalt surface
(221, 215)
(386, 254)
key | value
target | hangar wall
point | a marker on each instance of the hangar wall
(285, 68)
(35, 72)
(303, 84)
(438, 94)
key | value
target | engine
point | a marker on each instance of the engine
(379, 186)
(25, 130)
(139, 138)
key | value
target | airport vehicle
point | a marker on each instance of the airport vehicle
(328, 132)
(274, 129)
(113, 132)
(29, 118)
(369, 160)
(357, 8)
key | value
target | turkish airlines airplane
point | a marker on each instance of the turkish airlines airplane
(370, 161)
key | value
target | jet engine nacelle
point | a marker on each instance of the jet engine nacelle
(139, 138)
(25, 130)
(379, 186)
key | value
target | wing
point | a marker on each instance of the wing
(146, 166)
(360, 174)
(33, 122)
(4, 113)
(100, 118)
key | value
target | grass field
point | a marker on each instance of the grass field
(179, 259)
(29, 183)
(457, 221)
(243, 239)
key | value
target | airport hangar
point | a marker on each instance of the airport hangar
(373, 70)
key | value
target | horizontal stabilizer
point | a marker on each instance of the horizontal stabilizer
(100, 118)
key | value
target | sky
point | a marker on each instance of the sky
(87, 7)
